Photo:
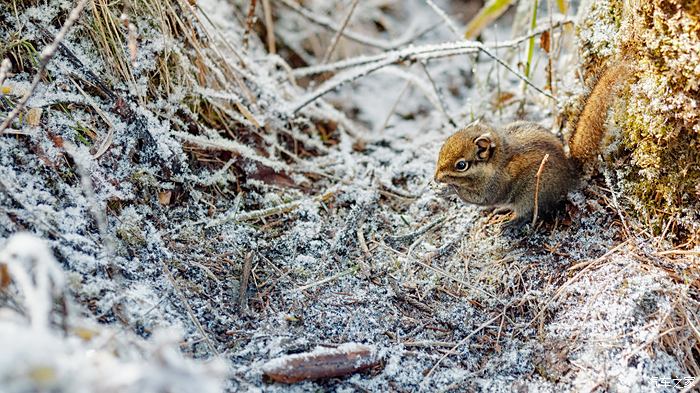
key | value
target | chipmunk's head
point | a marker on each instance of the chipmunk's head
(464, 151)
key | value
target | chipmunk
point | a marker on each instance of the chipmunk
(498, 167)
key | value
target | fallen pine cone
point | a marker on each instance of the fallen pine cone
(321, 363)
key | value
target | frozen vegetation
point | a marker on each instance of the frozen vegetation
(180, 207)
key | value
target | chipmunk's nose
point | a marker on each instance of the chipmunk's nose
(439, 176)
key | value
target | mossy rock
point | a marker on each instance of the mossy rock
(658, 162)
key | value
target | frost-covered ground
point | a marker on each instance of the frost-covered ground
(150, 227)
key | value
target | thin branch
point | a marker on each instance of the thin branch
(339, 33)
(396, 104)
(516, 73)
(94, 208)
(452, 277)
(365, 65)
(444, 17)
(538, 176)
(262, 213)
(245, 277)
(443, 106)
(250, 19)
(430, 51)
(44, 58)
(323, 281)
(359, 38)
(191, 314)
(462, 342)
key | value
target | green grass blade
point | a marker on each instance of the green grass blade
(531, 43)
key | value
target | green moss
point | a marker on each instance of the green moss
(658, 158)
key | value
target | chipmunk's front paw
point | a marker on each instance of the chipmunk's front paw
(442, 190)
(514, 227)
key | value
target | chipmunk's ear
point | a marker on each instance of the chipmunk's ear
(484, 147)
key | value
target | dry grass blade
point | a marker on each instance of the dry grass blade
(459, 344)
(270, 27)
(250, 19)
(46, 55)
(190, 313)
(243, 289)
(339, 33)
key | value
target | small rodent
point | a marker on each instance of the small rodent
(497, 167)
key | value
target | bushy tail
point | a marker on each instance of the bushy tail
(584, 143)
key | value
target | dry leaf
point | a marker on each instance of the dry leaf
(84, 333)
(545, 41)
(4, 276)
(57, 140)
(34, 117)
(131, 42)
(321, 363)
(164, 197)
(245, 112)
(502, 98)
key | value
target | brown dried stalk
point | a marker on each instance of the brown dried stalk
(247, 267)
(249, 22)
(270, 27)
(537, 188)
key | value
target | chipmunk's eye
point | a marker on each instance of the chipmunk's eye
(461, 165)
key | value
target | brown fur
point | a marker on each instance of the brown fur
(502, 173)
(590, 127)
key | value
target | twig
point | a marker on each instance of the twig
(396, 104)
(589, 265)
(323, 281)
(283, 208)
(93, 206)
(269, 27)
(443, 106)
(691, 386)
(242, 290)
(537, 188)
(451, 277)
(193, 318)
(250, 19)
(430, 51)
(460, 343)
(428, 344)
(444, 17)
(395, 241)
(339, 33)
(219, 143)
(608, 181)
(520, 76)
(359, 38)
(44, 58)
(366, 65)
(362, 241)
